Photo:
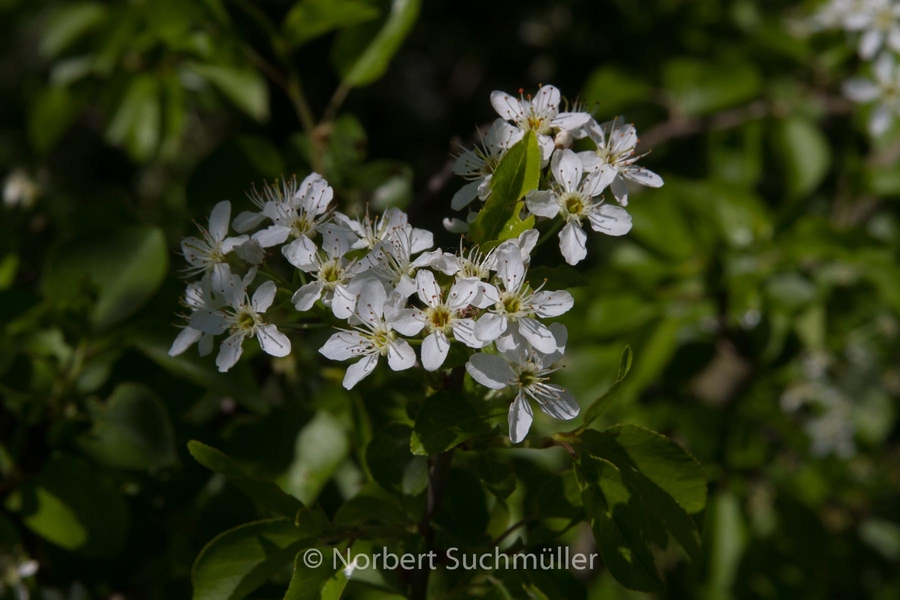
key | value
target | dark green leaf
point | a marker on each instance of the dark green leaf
(698, 87)
(265, 492)
(53, 111)
(320, 449)
(805, 154)
(599, 406)
(137, 123)
(445, 420)
(244, 86)
(65, 23)
(322, 583)
(498, 476)
(393, 465)
(131, 431)
(517, 174)
(309, 19)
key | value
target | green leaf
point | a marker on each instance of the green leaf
(309, 19)
(805, 153)
(132, 431)
(52, 113)
(244, 86)
(618, 518)
(609, 90)
(392, 464)
(266, 493)
(240, 560)
(322, 583)
(727, 538)
(137, 123)
(320, 449)
(237, 383)
(513, 227)
(360, 60)
(599, 406)
(124, 266)
(655, 456)
(66, 23)
(445, 420)
(697, 87)
(517, 174)
(74, 506)
(497, 476)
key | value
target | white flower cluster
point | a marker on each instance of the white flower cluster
(877, 22)
(578, 179)
(380, 281)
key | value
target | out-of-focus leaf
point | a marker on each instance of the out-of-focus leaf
(883, 536)
(445, 420)
(599, 406)
(618, 518)
(320, 448)
(244, 86)
(132, 431)
(322, 583)
(726, 539)
(697, 87)
(50, 116)
(805, 154)
(609, 90)
(266, 493)
(137, 123)
(66, 23)
(497, 476)
(73, 506)
(361, 59)
(393, 465)
(124, 266)
(517, 174)
(309, 19)
(240, 560)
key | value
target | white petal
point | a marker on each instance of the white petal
(464, 331)
(427, 288)
(501, 136)
(420, 240)
(643, 176)
(272, 235)
(251, 252)
(209, 321)
(490, 370)
(573, 243)
(883, 67)
(302, 254)
(880, 120)
(567, 169)
(485, 296)
(186, 338)
(248, 220)
(561, 405)
(264, 296)
(408, 321)
(610, 219)
(620, 190)
(229, 352)
(434, 350)
(546, 101)
(229, 244)
(511, 269)
(406, 287)
(542, 203)
(507, 106)
(590, 161)
(272, 341)
(343, 345)
(401, 355)
(547, 146)
(205, 347)
(221, 277)
(464, 196)
(370, 306)
(520, 418)
(623, 139)
(306, 296)
(446, 263)
(343, 303)
(861, 90)
(359, 370)
(218, 220)
(870, 42)
(599, 179)
(490, 326)
(571, 121)
(538, 335)
(463, 292)
(457, 226)
(552, 304)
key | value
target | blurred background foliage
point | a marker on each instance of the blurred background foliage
(759, 289)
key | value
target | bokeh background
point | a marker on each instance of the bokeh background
(759, 289)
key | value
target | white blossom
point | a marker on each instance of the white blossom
(371, 337)
(197, 296)
(884, 91)
(878, 22)
(369, 231)
(207, 254)
(477, 165)
(517, 306)
(541, 115)
(392, 260)
(572, 198)
(242, 317)
(527, 371)
(332, 274)
(616, 148)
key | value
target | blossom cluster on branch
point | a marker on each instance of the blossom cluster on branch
(385, 287)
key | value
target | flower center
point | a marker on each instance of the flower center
(382, 338)
(574, 203)
(330, 272)
(301, 226)
(536, 123)
(438, 317)
(529, 375)
(246, 321)
(511, 303)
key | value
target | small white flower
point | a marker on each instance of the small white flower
(242, 318)
(885, 89)
(197, 296)
(615, 148)
(332, 275)
(454, 225)
(296, 212)
(372, 337)
(20, 190)
(572, 198)
(208, 255)
(478, 165)
(879, 24)
(392, 258)
(440, 317)
(369, 231)
(541, 115)
(518, 305)
(527, 371)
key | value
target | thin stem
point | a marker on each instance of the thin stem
(437, 481)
